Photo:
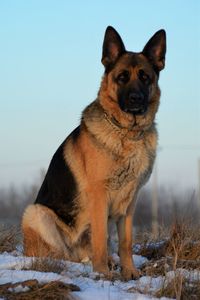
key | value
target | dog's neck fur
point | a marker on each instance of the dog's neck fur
(128, 128)
(116, 126)
(108, 134)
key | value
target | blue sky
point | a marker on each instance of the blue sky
(50, 70)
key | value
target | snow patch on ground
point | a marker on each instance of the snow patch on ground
(80, 274)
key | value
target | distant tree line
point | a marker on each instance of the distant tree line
(172, 205)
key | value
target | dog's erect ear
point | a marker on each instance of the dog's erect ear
(113, 47)
(155, 50)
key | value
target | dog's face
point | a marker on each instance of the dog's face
(131, 79)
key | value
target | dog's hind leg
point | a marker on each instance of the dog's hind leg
(42, 234)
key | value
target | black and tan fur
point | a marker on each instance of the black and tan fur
(96, 173)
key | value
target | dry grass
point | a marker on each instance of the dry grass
(35, 291)
(177, 249)
(180, 249)
(180, 288)
(46, 265)
(184, 242)
(9, 237)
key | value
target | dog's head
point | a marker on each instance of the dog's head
(131, 79)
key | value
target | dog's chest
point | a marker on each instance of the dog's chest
(134, 168)
(129, 173)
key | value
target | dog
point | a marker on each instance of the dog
(96, 173)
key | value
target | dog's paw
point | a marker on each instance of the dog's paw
(101, 269)
(106, 274)
(130, 274)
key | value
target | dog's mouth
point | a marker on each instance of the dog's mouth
(135, 110)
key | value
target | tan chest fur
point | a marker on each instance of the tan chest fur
(109, 162)
(131, 171)
(118, 162)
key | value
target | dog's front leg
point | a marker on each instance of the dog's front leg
(99, 219)
(124, 227)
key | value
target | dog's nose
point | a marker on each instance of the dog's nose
(136, 98)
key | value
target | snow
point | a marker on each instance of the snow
(8, 261)
(14, 276)
(18, 289)
(80, 274)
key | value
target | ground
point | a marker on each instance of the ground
(169, 270)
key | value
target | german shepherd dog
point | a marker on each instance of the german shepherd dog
(96, 173)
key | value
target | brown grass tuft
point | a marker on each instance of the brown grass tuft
(52, 291)
(184, 242)
(180, 288)
(46, 265)
(9, 237)
(180, 249)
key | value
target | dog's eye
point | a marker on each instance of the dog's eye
(123, 77)
(144, 77)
